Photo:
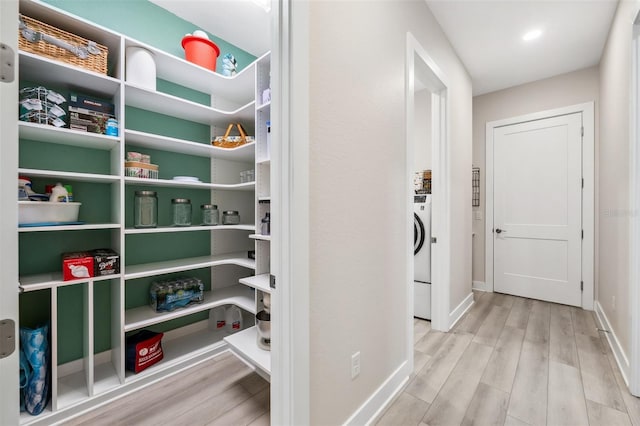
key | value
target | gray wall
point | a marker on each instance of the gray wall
(358, 270)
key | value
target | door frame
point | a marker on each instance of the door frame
(418, 61)
(634, 241)
(588, 192)
(9, 404)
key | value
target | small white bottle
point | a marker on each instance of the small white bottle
(233, 319)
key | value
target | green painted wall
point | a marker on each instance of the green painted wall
(146, 22)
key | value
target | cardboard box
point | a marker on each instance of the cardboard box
(77, 265)
(89, 114)
(105, 262)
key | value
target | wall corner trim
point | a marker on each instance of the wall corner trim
(373, 408)
(614, 343)
(460, 310)
(481, 286)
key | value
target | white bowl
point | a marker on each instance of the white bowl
(44, 212)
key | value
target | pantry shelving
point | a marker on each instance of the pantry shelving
(145, 316)
(37, 132)
(174, 106)
(181, 265)
(242, 153)
(99, 313)
(54, 279)
(247, 186)
(196, 228)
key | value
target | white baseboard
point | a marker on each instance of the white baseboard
(480, 286)
(614, 343)
(374, 406)
(460, 310)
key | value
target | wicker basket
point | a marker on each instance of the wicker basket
(45, 40)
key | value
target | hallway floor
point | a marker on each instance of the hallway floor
(514, 361)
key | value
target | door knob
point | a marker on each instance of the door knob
(500, 231)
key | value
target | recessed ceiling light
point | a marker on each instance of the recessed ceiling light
(532, 35)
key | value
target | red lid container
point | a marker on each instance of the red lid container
(200, 51)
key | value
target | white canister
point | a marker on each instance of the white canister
(140, 67)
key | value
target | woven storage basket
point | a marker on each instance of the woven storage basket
(93, 62)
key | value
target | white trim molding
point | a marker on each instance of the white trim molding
(481, 286)
(460, 310)
(373, 408)
(588, 193)
(618, 353)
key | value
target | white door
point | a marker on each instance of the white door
(537, 209)
(9, 402)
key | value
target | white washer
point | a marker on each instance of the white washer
(422, 256)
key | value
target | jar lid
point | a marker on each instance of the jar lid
(209, 206)
(151, 193)
(231, 212)
(181, 201)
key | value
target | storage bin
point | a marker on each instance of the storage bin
(200, 51)
(30, 212)
(140, 170)
(140, 68)
(87, 54)
(143, 350)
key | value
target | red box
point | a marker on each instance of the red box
(143, 350)
(77, 265)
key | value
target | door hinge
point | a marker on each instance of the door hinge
(434, 240)
(272, 281)
(7, 64)
(583, 182)
(582, 131)
(7, 337)
(582, 234)
(581, 285)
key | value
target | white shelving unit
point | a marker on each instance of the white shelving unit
(232, 99)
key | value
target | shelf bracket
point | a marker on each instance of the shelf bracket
(272, 281)
(7, 61)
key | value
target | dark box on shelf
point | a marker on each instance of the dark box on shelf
(105, 262)
(89, 114)
(143, 350)
(77, 265)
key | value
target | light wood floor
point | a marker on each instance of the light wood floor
(221, 391)
(514, 361)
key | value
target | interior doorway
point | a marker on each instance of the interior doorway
(426, 93)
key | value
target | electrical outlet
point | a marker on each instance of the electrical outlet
(355, 365)
(613, 302)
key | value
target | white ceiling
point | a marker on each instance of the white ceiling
(487, 35)
(242, 23)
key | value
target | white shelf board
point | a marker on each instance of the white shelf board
(264, 107)
(174, 106)
(163, 229)
(46, 71)
(264, 198)
(265, 161)
(72, 389)
(179, 265)
(145, 316)
(244, 153)
(248, 186)
(54, 279)
(177, 70)
(105, 378)
(260, 237)
(72, 176)
(61, 136)
(182, 348)
(84, 227)
(245, 344)
(260, 282)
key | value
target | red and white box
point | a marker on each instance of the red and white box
(77, 265)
